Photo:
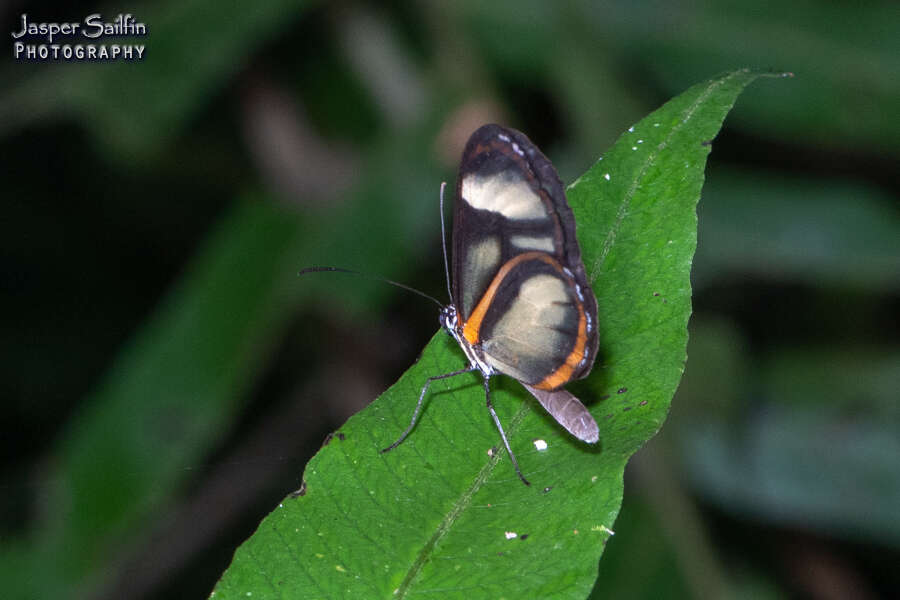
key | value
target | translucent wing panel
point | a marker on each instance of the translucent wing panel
(531, 323)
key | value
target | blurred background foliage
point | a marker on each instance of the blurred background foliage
(166, 376)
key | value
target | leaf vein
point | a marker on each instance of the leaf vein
(651, 158)
(458, 508)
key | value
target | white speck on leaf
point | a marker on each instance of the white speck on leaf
(631, 129)
(540, 445)
(511, 534)
(606, 176)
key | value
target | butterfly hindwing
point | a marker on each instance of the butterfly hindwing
(531, 322)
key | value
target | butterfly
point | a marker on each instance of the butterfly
(521, 304)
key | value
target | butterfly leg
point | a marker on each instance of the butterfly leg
(415, 416)
(512, 457)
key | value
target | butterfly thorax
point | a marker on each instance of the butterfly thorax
(450, 321)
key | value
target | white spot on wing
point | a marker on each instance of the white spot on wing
(481, 260)
(511, 197)
(486, 251)
(528, 242)
(529, 325)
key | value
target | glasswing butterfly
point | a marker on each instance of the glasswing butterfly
(520, 304)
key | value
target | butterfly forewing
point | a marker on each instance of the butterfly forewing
(504, 207)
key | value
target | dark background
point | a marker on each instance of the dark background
(166, 375)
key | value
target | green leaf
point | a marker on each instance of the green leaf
(646, 545)
(436, 515)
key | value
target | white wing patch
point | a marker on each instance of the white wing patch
(511, 197)
(532, 328)
(482, 260)
(528, 242)
(543, 301)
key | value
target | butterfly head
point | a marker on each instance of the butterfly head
(448, 318)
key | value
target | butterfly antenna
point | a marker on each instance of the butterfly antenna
(368, 276)
(444, 243)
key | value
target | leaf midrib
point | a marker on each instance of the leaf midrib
(651, 158)
(458, 507)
